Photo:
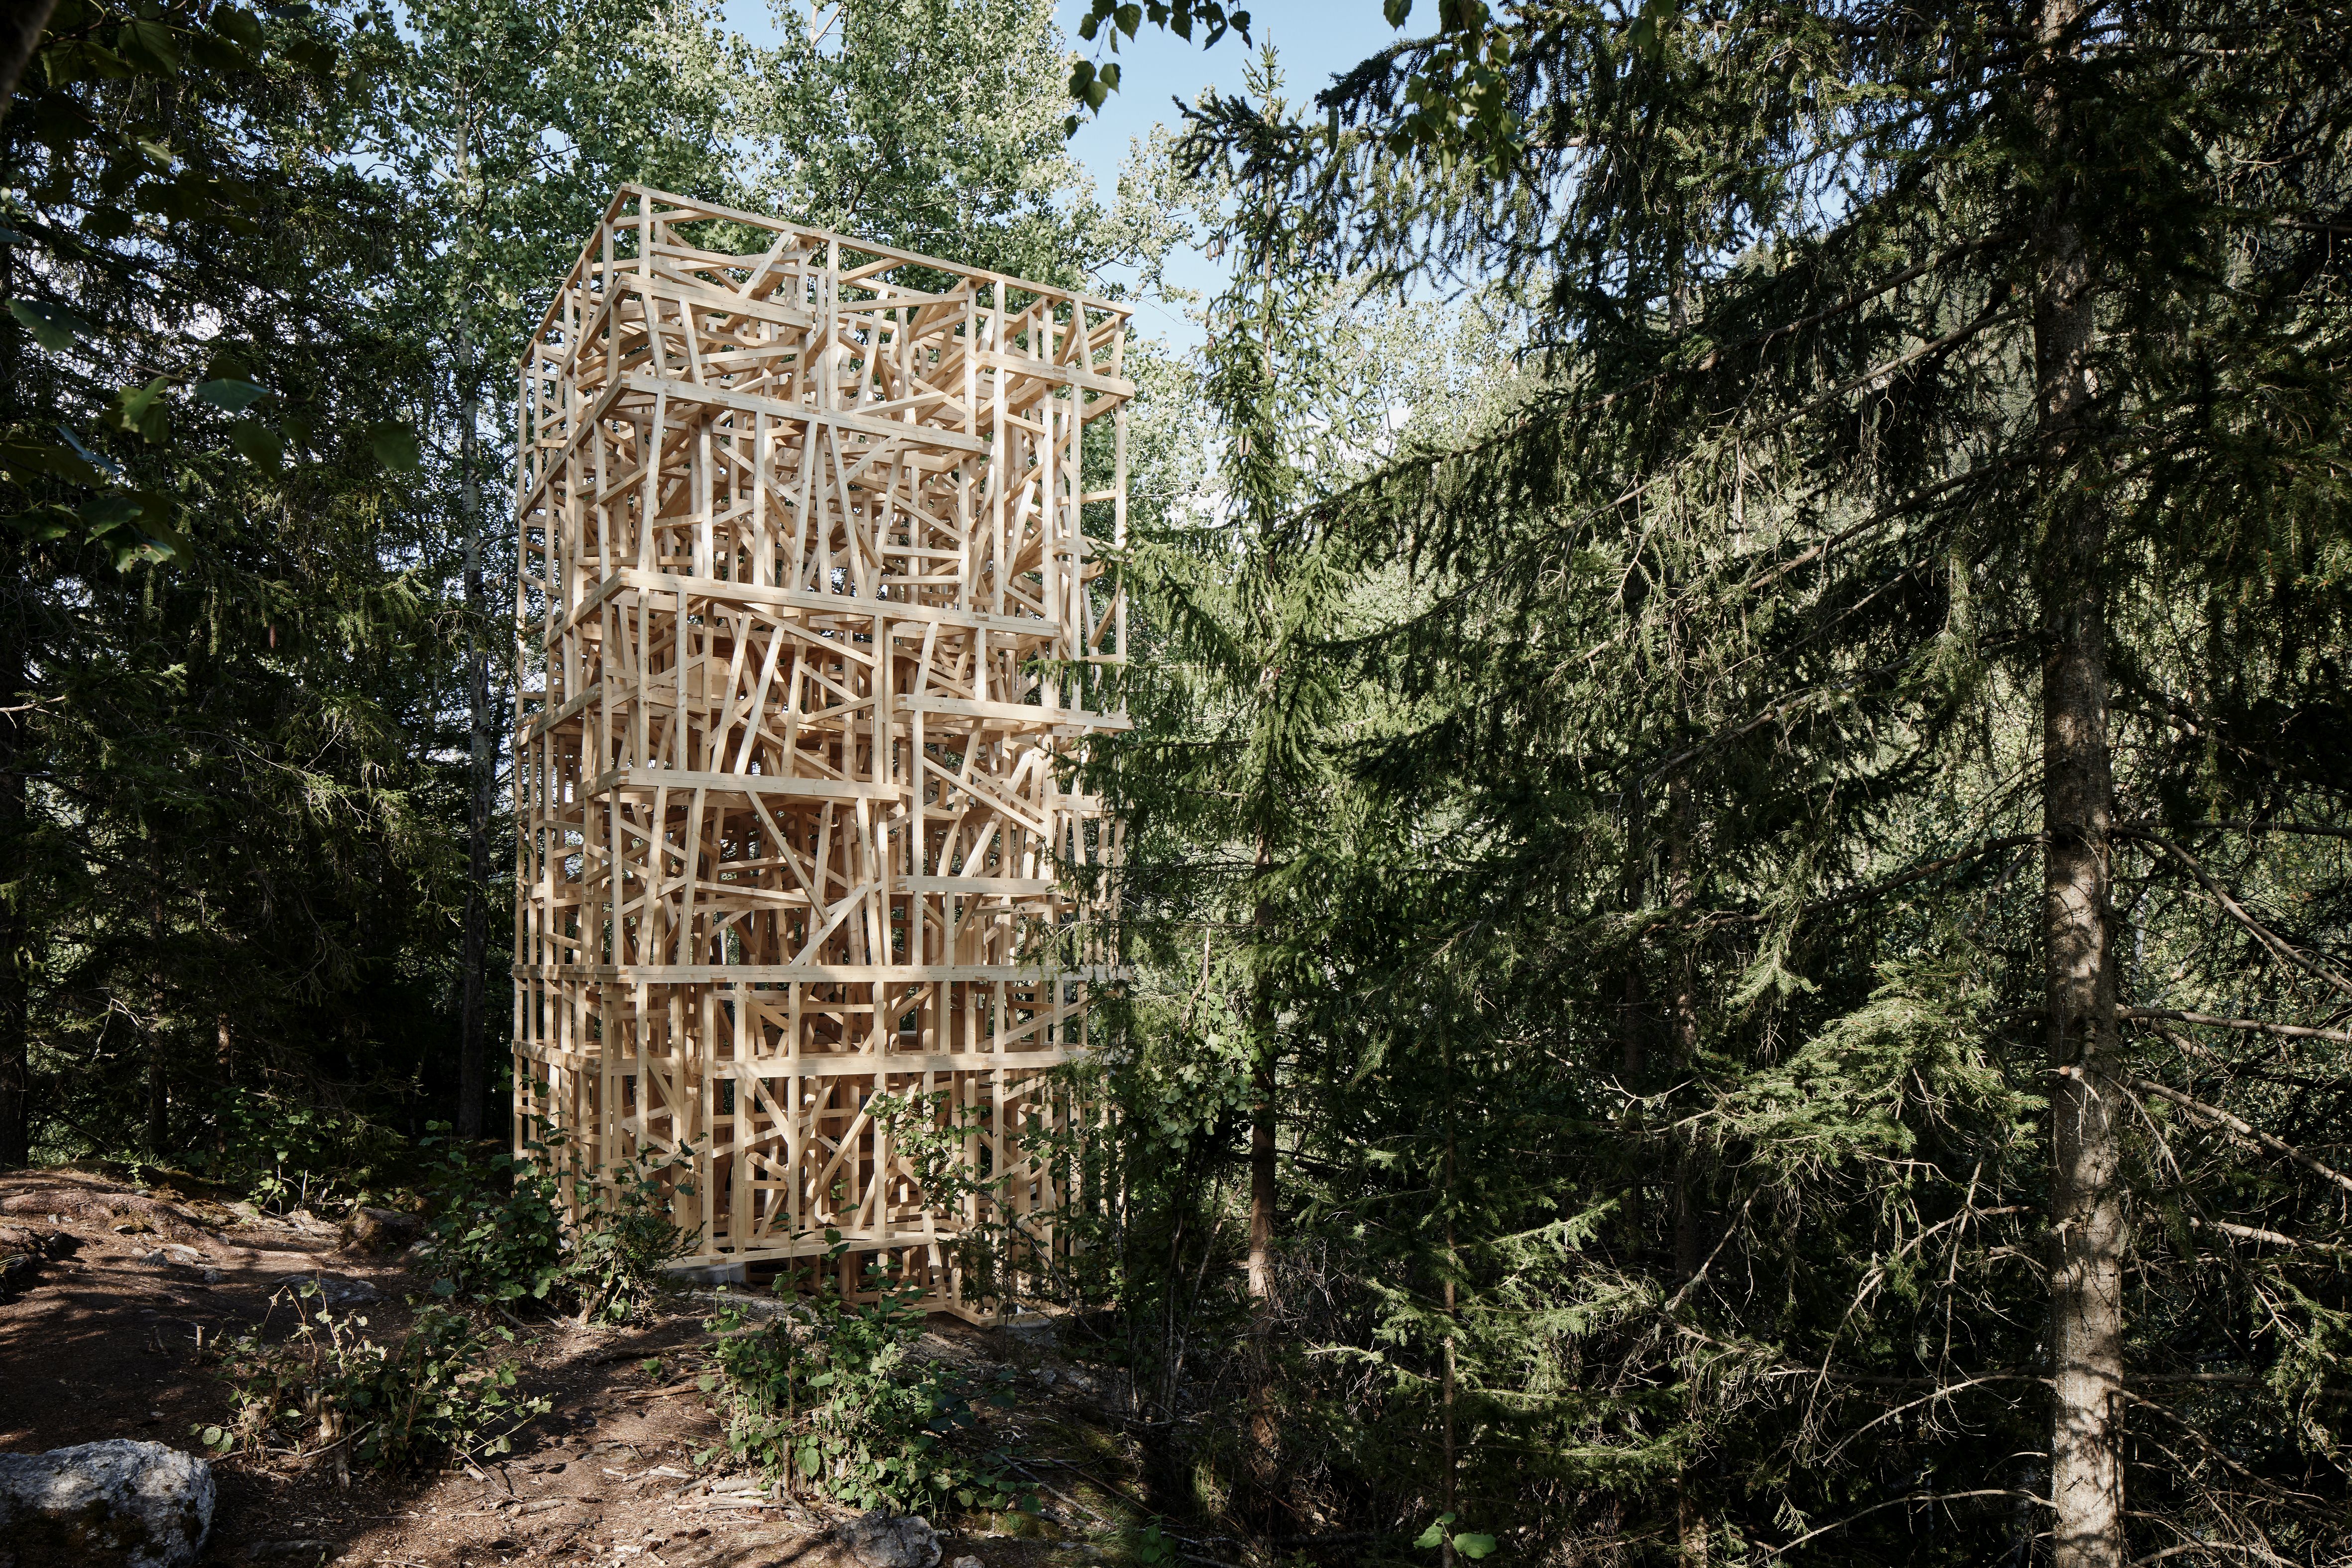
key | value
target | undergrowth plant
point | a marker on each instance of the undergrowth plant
(497, 1230)
(438, 1392)
(500, 1232)
(831, 1398)
(617, 1258)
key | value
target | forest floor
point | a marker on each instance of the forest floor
(110, 1338)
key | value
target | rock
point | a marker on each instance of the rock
(340, 1292)
(116, 1504)
(1031, 1331)
(878, 1541)
(380, 1230)
(23, 1251)
(180, 1257)
(967, 1563)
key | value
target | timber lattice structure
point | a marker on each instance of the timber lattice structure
(806, 898)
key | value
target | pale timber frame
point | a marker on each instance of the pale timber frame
(804, 564)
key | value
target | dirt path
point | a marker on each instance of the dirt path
(103, 1340)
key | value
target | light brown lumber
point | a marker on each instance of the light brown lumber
(805, 580)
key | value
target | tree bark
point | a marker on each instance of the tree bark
(2088, 1221)
(1265, 1435)
(16, 824)
(159, 1086)
(1682, 1014)
(1447, 1557)
(1633, 996)
(16, 799)
(482, 773)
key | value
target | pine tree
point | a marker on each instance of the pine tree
(1905, 369)
(208, 625)
(1905, 360)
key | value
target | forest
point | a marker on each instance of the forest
(1737, 924)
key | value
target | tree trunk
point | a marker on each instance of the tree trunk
(225, 1063)
(1447, 1556)
(16, 823)
(159, 1090)
(1264, 1437)
(1681, 1018)
(1633, 996)
(2087, 1213)
(481, 772)
(16, 801)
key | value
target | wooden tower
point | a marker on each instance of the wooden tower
(805, 897)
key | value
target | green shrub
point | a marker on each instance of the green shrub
(497, 1228)
(439, 1391)
(831, 1398)
(617, 1259)
(500, 1232)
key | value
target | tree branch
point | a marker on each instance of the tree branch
(2291, 1031)
(2245, 1131)
(2276, 946)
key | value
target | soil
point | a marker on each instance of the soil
(106, 1336)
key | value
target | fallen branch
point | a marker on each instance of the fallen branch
(1900, 1502)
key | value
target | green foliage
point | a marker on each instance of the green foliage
(1441, 1532)
(1151, 1545)
(1658, 953)
(140, 94)
(497, 1227)
(203, 344)
(500, 1230)
(626, 1236)
(438, 1392)
(289, 1153)
(833, 1396)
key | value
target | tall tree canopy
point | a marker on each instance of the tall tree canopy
(1740, 914)
(1905, 373)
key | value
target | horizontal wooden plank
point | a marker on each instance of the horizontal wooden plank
(1017, 713)
(804, 974)
(1065, 375)
(848, 1063)
(751, 402)
(721, 595)
(646, 780)
(980, 886)
(717, 303)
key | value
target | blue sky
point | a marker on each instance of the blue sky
(1316, 39)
